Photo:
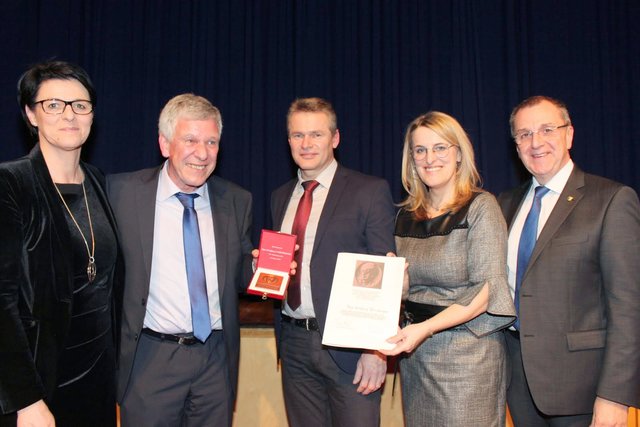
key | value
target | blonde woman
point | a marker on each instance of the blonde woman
(454, 238)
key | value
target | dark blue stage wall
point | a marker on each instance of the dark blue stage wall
(380, 62)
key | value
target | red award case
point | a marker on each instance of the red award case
(271, 277)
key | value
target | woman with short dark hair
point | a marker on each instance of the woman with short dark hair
(57, 263)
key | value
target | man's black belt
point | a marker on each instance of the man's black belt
(308, 324)
(182, 340)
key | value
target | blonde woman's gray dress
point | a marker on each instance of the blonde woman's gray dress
(458, 377)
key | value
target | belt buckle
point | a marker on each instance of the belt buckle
(182, 340)
(306, 324)
(408, 318)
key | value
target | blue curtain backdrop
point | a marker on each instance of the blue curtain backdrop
(381, 63)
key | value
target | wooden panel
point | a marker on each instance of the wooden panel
(260, 402)
(634, 418)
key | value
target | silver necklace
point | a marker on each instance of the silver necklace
(91, 266)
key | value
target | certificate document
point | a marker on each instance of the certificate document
(364, 306)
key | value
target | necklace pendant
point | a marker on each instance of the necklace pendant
(91, 270)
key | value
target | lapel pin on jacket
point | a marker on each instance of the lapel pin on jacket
(569, 198)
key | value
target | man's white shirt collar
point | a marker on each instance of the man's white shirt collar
(559, 180)
(325, 177)
(167, 188)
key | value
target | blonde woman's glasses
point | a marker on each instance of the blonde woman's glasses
(439, 150)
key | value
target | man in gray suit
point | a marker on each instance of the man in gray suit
(576, 353)
(168, 373)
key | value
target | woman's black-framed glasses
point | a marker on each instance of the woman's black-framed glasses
(57, 106)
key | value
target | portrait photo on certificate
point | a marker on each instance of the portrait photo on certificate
(364, 305)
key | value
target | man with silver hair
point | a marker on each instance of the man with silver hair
(185, 236)
(573, 265)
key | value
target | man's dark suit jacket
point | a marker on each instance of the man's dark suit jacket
(357, 217)
(580, 319)
(36, 285)
(133, 198)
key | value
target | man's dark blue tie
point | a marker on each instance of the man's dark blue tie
(527, 242)
(195, 268)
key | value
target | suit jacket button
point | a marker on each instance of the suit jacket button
(143, 301)
(135, 337)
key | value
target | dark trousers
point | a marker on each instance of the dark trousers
(177, 385)
(521, 405)
(316, 391)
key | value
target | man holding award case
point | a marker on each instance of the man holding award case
(330, 209)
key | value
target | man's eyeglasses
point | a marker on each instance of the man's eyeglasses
(526, 136)
(57, 106)
(439, 150)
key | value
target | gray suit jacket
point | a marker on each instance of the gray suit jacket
(357, 217)
(580, 318)
(133, 198)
